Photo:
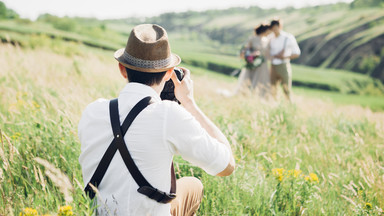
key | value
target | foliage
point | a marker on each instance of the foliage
(63, 211)
(6, 13)
(61, 23)
(367, 3)
(369, 63)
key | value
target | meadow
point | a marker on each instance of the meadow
(314, 157)
(200, 47)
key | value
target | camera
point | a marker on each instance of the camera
(168, 92)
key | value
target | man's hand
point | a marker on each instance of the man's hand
(280, 55)
(294, 56)
(184, 93)
(184, 88)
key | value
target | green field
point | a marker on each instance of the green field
(337, 149)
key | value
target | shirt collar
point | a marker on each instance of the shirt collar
(140, 89)
(283, 34)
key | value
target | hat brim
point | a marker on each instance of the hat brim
(175, 60)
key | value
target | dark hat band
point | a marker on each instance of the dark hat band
(141, 63)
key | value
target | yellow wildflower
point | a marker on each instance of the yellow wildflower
(35, 104)
(368, 206)
(295, 173)
(278, 173)
(65, 211)
(16, 136)
(312, 178)
(28, 212)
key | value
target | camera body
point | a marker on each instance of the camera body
(168, 92)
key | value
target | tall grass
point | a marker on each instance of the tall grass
(279, 148)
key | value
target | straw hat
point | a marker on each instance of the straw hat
(147, 50)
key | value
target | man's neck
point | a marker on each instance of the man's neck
(158, 88)
(277, 34)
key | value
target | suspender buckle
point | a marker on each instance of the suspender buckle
(156, 194)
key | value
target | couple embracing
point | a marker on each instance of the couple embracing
(270, 43)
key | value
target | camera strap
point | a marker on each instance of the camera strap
(118, 143)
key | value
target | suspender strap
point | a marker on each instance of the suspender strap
(118, 143)
(285, 43)
(101, 170)
(119, 137)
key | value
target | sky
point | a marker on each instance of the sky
(110, 9)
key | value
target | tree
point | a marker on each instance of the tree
(6, 13)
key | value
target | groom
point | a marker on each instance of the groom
(283, 47)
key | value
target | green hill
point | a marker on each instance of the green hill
(210, 40)
(334, 36)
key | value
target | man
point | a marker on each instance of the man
(282, 48)
(161, 130)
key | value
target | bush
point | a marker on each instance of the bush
(369, 63)
(65, 23)
(367, 3)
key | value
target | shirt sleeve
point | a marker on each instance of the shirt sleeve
(294, 46)
(187, 138)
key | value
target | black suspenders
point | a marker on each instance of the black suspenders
(118, 143)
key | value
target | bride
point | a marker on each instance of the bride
(255, 75)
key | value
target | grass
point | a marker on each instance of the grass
(42, 102)
(372, 102)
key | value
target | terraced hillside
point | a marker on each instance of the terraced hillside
(334, 36)
(210, 41)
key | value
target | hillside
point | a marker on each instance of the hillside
(341, 36)
(64, 35)
(332, 36)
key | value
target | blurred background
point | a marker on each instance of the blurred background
(344, 39)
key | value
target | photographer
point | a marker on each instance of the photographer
(133, 172)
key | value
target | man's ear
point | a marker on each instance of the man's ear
(123, 71)
(168, 75)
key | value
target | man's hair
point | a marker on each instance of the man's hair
(144, 78)
(275, 22)
(261, 28)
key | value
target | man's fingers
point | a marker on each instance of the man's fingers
(187, 73)
(174, 78)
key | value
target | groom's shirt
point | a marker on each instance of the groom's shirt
(284, 41)
(160, 131)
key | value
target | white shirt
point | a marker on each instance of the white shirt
(277, 45)
(160, 131)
